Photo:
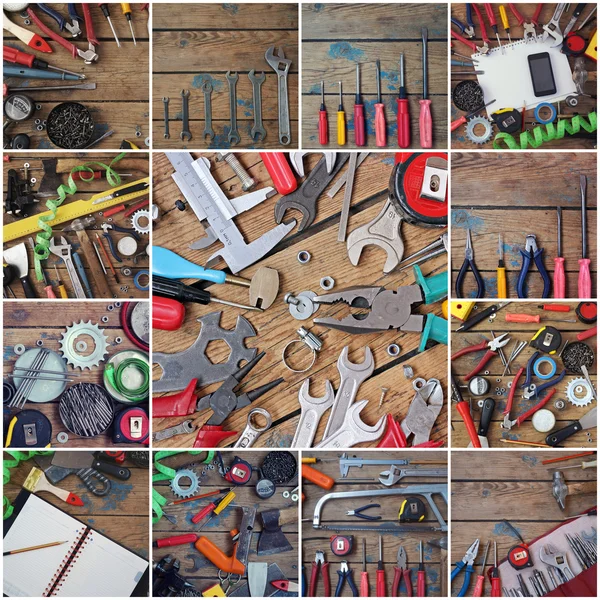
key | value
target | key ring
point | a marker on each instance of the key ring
(284, 359)
(227, 579)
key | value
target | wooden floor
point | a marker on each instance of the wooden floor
(121, 515)
(219, 528)
(586, 104)
(135, 164)
(515, 195)
(120, 100)
(518, 332)
(27, 322)
(337, 36)
(334, 511)
(194, 42)
(275, 327)
(515, 486)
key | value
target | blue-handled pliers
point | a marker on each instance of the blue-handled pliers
(73, 28)
(75, 20)
(464, 29)
(532, 253)
(470, 22)
(467, 560)
(469, 262)
(358, 512)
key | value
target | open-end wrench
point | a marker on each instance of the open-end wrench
(552, 28)
(166, 106)
(234, 136)
(64, 251)
(185, 129)
(312, 409)
(251, 431)
(281, 65)
(185, 427)
(351, 376)
(258, 133)
(353, 430)
(297, 161)
(207, 89)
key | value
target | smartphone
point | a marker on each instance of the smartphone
(542, 76)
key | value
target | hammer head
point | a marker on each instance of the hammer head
(559, 488)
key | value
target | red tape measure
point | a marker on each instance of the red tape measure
(519, 557)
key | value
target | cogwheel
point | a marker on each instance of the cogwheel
(579, 392)
(68, 345)
(135, 221)
(481, 138)
(183, 489)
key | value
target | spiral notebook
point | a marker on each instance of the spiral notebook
(89, 564)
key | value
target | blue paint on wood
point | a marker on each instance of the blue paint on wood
(345, 50)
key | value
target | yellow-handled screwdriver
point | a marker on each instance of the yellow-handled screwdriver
(62, 290)
(126, 8)
(341, 121)
(501, 270)
(504, 20)
(221, 506)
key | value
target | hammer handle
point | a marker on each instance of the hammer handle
(100, 281)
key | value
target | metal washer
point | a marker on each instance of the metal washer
(305, 308)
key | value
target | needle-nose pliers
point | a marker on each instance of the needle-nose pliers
(535, 254)
(467, 561)
(469, 262)
(358, 512)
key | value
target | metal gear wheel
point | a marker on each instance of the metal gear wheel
(135, 221)
(185, 491)
(69, 351)
(470, 130)
(579, 392)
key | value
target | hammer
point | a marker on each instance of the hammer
(560, 488)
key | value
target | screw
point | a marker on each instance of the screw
(289, 298)
(383, 393)
(231, 159)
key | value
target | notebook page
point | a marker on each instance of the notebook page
(38, 522)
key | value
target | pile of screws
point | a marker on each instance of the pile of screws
(70, 125)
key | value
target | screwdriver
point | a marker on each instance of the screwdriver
(559, 262)
(421, 573)
(106, 13)
(584, 465)
(194, 498)
(211, 506)
(364, 576)
(584, 282)
(495, 576)
(523, 318)
(341, 121)
(462, 120)
(61, 286)
(425, 124)
(359, 113)
(380, 126)
(403, 114)
(492, 19)
(478, 591)
(15, 56)
(222, 504)
(555, 307)
(501, 270)
(380, 572)
(323, 126)
(47, 287)
(504, 19)
(126, 8)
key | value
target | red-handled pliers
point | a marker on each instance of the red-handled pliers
(400, 573)
(508, 424)
(492, 345)
(469, 43)
(319, 564)
(484, 36)
(528, 28)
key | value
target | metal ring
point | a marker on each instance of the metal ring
(63, 437)
(286, 494)
(393, 350)
(39, 343)
(541, 106)
(327, 283)
(118, 340)
(283, 358)
(19, 349)
(544, 360)
(104, 319)
(304, 257)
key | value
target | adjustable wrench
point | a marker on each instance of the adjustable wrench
(185, 427)
(234, 135)
(297, 161)
(281, 65)
(185, 129)
(64, 251)
(552, 28)
(207, 88)
(251, 432)
(351, 376)
(166, 106)
(312, 409)
(258, 129)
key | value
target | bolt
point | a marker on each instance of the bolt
(289, 298)
(231, 159)
(383, 393)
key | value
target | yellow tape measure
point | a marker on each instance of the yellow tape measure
(73, 210)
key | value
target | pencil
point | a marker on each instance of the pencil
(33, 548)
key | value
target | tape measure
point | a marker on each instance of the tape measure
(29, 429)
(519, 557)
(412, 510)
(587, 312)
(240, 472)
(341, 545)
(508, 120)
(547, 339)
(73, 210)
(131, 426)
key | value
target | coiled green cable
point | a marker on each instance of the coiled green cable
(115, 376)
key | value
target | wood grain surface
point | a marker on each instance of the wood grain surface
(586, 104)
(122, 515)
(135, 164)
(337, 36)
(515, 486)
(490, 199)
(219, 528)
(26, 322)
(120, 100)
(334, 514)
(518, 332)
(275, 327)
(197, 42)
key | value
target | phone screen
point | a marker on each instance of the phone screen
(542, 76)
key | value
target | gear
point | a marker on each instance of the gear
(470, 130)
(68, 345)
(135, 221)
(188, 490)
(579, 392)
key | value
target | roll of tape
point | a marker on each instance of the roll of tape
(550, 107)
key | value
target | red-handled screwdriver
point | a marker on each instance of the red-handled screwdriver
(559, 283)
(584, 282)
(380, 125)
(425, 122)
(492, 19)
(421, 592)
(462, 120)
(380, 572)
(555, 307)
(208, 509)
(17, 57)
(323, 125)
(175, 540)
(403, 112)
(364, 576)
(495, 576)
(478, 591)
(359, 113)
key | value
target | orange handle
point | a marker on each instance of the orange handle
(323, 128)
(584, 282)
(521, 318)
(421, 583)
(49, 292)
(464, 411)
(584, 335)
(316, 477)
(229, 564)
(403, 123)
(456, 124)
(559, 282)
(380, 127)
(478, 591)
(425, 124)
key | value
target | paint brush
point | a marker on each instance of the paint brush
(36, 482)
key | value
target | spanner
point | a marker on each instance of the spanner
(353, 430)
(351, 376)
(64, 251)
(297, 161)
(258, 129)
(166, 106)
(234, 135)
(251, 433)
(185, 427)
(207, 88)
(281, 65)
(185, 130)
(552, 28)
(312, 409)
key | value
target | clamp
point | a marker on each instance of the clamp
(532, 253)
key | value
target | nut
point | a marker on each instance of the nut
(304, 257)
(118, 340)
(104, 319)
(110, 307)
(63, 437)
(480, 403)
(19, 349)
(39, 343)
(559, 405)
(327, 283)
(393, 350)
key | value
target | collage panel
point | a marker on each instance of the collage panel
(225, 524)
(524, 524)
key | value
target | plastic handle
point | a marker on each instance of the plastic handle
(323, 128)
(403, 123)
(465, 41)
(425, 124)
(464, 411)
(478, 591)
(421, 584)
(316, 477)
(280, 172)
(484, 361)
(177, 540)
(521, 318)
(229, 564)
(14, 56)
(359, 125)
(176, 405)
(167, 314)
(49, 292)
(556, 307)
(380, 126)
(341, 128)
(364, 584)
(501, 277)
(584, 282)
(516, 13)
(496, 587)
(584, 335)
(456, 124)
(559, 277)
(172, 266)
(225, 502)
(490, 14)
(504, 18)
(380, 587)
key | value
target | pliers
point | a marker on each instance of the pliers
(401, 572)
(531, 389)
(358, 512)
(469, 262)
(528, 28)
(73, 28)
(345, 574)
(486, 40)
(532, 253)
(389, 309)
(75, 20)
(467, 560)
(319, 565)
(467, 30)
(492, 347)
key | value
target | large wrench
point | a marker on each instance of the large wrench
(185, 129)
(552, 28)
(64, 251)
(311, 411)
(207, 88)
(351, 376)
(234, 135)
(258, 129)
(281, 65)
(166, 105)
(185, 427)
(251, 432)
